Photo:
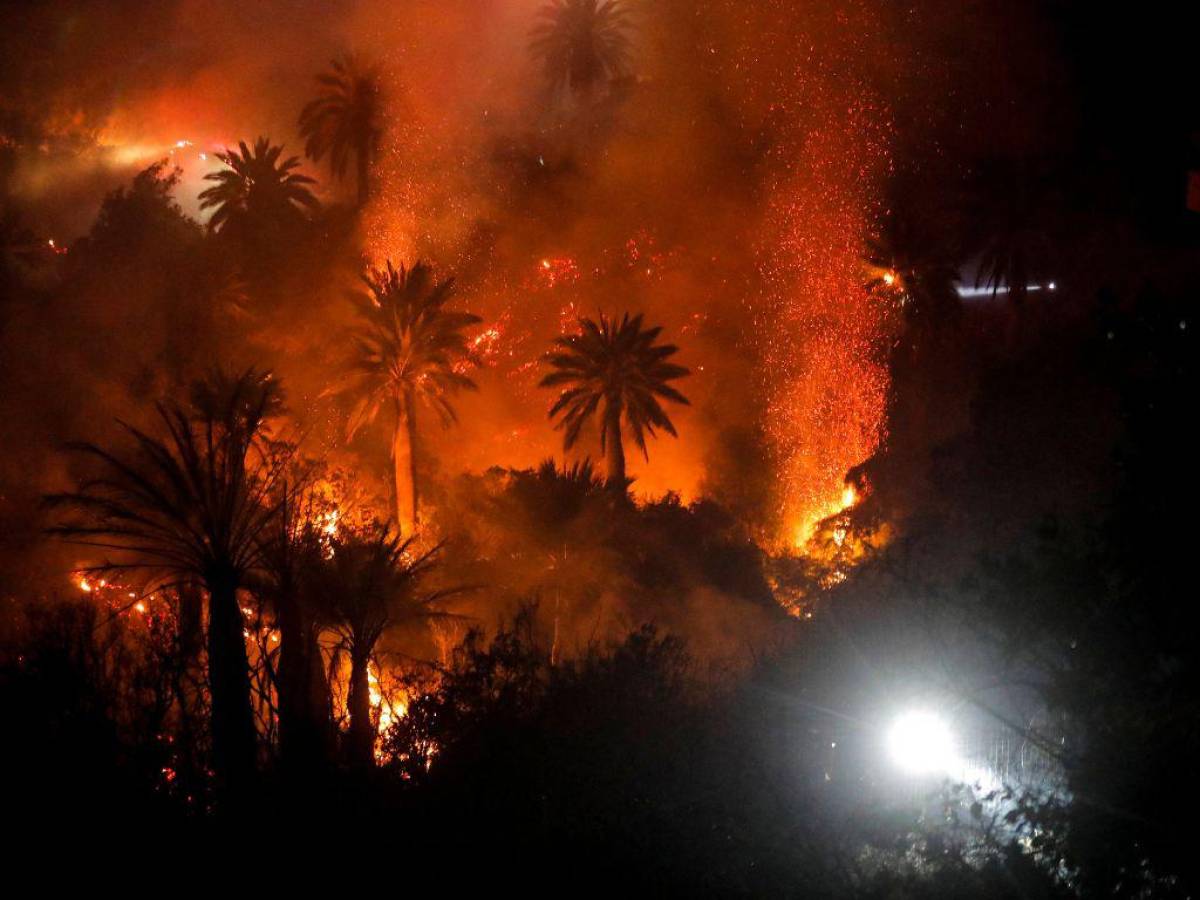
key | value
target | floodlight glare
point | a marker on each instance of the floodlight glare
(921, 744)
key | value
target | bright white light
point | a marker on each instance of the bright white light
(969, 291)
(921, 744)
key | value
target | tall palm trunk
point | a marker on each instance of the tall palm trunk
(233, 732)
(363, 159)
(303, 716)
(361, 736)
(191, 624)
(191, 643)
(188, 675)
(292, 695)
(320, 701)
(404, 461)
(584, 85)
(614, 448)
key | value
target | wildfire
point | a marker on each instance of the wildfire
(482, 349)
(333, 503)
(558, 270)
(806, 530)
(126, 152)
(849, 496)
(386, 709)
(329, 523)
(114, 595)
(824, 332)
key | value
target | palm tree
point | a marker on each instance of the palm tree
(409, 350)
(256, 187)
(621, 366)
(581, 42)
(548, 510)
(186, 508)
(293, 550)
(908, 262)
(371, 583)
(244, 400)
(344, 120)
(1017, 211)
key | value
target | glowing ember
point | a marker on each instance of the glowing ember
(558, 270)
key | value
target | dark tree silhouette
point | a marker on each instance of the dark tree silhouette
(246, 400)
(20, 252)
(621, 366)
(906, 260)
(256, 187)
(409, 350)
(581, 43)
(1013, 220)
(186, 508)
(372, 582)
(293, 552)
(547, 506)
(345, 120)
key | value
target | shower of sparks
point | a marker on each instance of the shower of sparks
(391, 221)
(824, 334)
(559, 270)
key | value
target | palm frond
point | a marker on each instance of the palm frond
(617, 364)
(188, 503)
(254, 182)
(407, 344)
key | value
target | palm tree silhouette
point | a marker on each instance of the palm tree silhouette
(1016, 211)
(293, 549)
(344, 120)
(186, 508)
(548, 510)
(409, 351)
(581, 43)
(371, 582)
(910, 263)
(255, 187)
(620, 366)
